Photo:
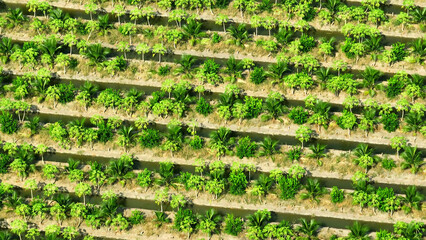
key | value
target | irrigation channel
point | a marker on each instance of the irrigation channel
(149, 204)
(208, 24)
(282, 137)
(327, 182)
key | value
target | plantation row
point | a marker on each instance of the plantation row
(361, 40)
(256, 226)
(175, 99)
(121, 171)
(47, 52)
(334, 12)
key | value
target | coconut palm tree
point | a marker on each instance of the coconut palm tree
(274, 108)
(323, 74)
(186, 63)
(50, 47)
(413, 197)
(16, 16)
(103, 24)
(221, 140)
(268, 147)
(127, 136)
(192, 31)
(314, 190)
(318, 152)
(412, 159)
(370, 76)
(239, 34)
(413, 122)
(284, 36)
(358, 231)
(308, 228)
(96, 54)
(211, 220)
(277, 71)
(167, 174)
(233, 69)
(120, 170)
(6, 49)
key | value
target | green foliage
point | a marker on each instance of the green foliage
(307, 43)
(150, 138)
(388, 163)
(294, 154)
(185, 221)
(233, 225)
(8, 123)
(196, 142)
(298, 115)
(245, 147)
(337, 195)
(258, 75)
(289, 187)
(136, 217)
(237, 181)
(203, 107)
(390, 122)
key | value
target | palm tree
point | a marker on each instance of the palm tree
(413, 122)
(323, 74)
(370, 76)
(127, 137)
(419, 47)
(167, 174)
(50, 47)
(6, 49)
(333, 6)
(233, 68)
(358, 231)
(268, 147)
(259, 219)
(314, 190)
(277, 71)
(264, 182)
(58, 14)
(212, 218)
(103, 24)
(96, 54)
(239, 34)
(310, 229)
(192, 31)
(412, 159)
(274, 108)
(120, 170)
(418, 14)
(221, 140)
(16, 16)
(186, 63)
(283, 36)
(318, 152)
(413, 197)
(374, 44)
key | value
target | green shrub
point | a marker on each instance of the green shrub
(294, 154)
(388, 163)
(164, 70)
(289, 187)
(66, 92)
(196, 142)
(307, 43)
(253, 106)
(390, 122)
(298, 115)
(203, 107)
(237, 182)
(4, 162)
(233, 225)
(216, 38)
(245, 147)
(336, 195)
(8, 123)
(136, 217)
(150, 138)
(258, 75)
(398, 52)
